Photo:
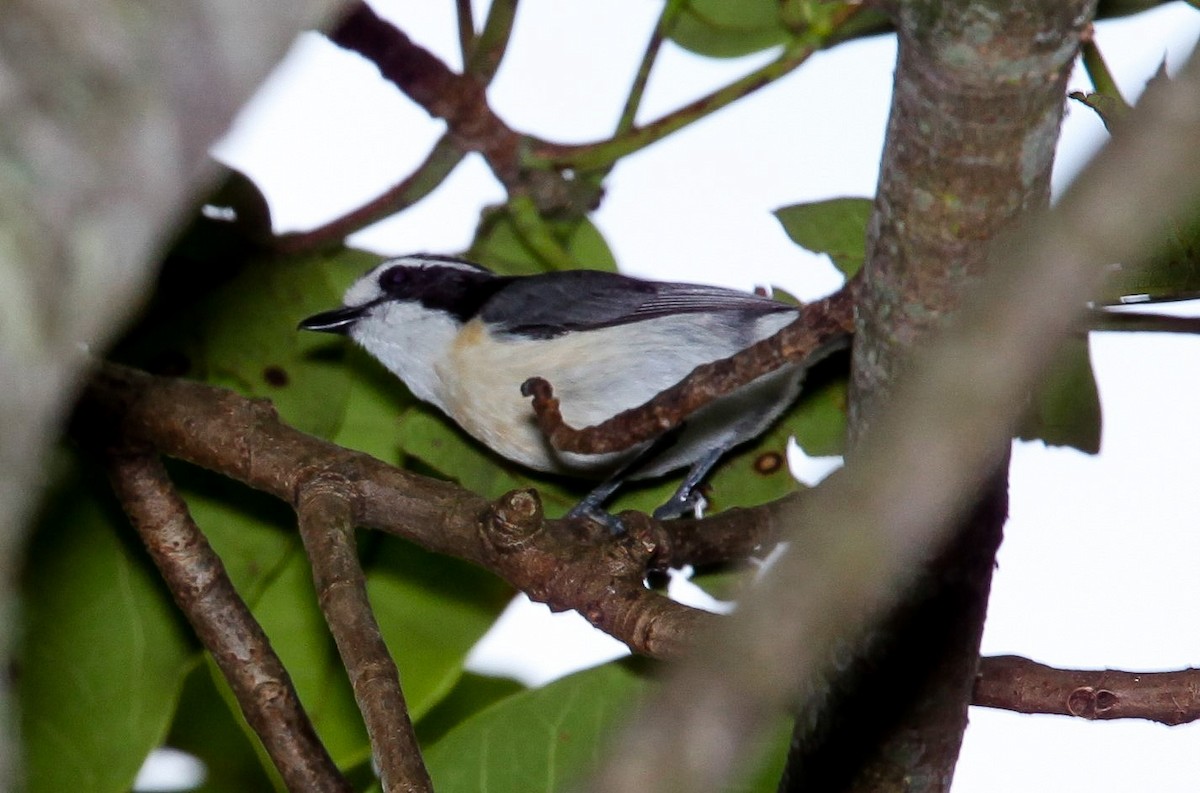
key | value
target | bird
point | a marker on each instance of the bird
(466, 339)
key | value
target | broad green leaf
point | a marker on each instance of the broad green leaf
(721, 29)
(499, 246)
(104, 652)
(543, 739)
(754, 474)
(432, 609)
(837, 227)
(434, 440)
(549, 739)
(250, 342)
(471, 694)
(1174, 269)
(1066, 407)
(241, 333)
(375, 403)
(818, 420)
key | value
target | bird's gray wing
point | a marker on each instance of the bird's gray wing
(544, 306)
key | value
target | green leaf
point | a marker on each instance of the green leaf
(104, 653)
(499, 245)
(375, 402)
(543, 739)
(754, 474)
(1066, 407)
(551, 738)
(837, 227)
(818, 421)
(471, 694)
(432, 609)
(721, 29)
(430, 437)
(241, 333)
(1174, 269)
(250, 343)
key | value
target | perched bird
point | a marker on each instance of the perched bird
(465, 340)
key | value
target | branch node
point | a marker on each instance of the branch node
(1088, 702)
(513, 521)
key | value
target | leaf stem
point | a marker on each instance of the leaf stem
(536, 233)
(489, 48)
(666, 21)
(442, 159)
(466, 29)
(603, 154)
(1098, 72)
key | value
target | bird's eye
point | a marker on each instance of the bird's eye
(393, 279)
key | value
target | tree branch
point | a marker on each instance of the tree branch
(603, 154)
(566, 564)
(202, 590)
(327, 529)
(489, 48)
(512, 539)
(458, 99)
(1010, 682)
(443, 158)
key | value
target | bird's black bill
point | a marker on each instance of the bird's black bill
(340, 320)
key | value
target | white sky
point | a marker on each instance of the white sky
(1099, 566)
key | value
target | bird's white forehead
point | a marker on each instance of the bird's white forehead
(366, 289)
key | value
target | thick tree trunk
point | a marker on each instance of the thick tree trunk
(978, 100)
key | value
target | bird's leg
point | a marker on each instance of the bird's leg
(685, 498)
(590, 506)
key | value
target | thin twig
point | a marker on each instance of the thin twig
(202, 590)
(443, 158)
(326, 526)
(1010, 682)
(493, 40)
(666, 20)
(602, 154)
(1098, 72)
(823, 327)
(466, 28)
(458, 99)
(1101, 319)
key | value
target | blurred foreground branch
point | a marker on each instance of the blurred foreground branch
(868, 530)
(106, 117)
